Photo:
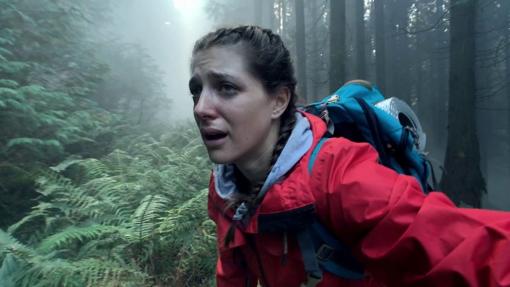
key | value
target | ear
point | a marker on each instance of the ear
(280, 102)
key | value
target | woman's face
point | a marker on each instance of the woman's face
(231, 107)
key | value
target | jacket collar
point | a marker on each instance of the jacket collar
(283, 196)
(297, 145)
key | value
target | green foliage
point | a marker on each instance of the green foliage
(132, 218)
(88, 196)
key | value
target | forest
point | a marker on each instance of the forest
(103, 177)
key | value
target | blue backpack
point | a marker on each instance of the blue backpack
(358, 111)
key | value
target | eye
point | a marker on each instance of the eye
(195, 89)
(227, 88)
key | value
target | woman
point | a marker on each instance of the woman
(244, 96)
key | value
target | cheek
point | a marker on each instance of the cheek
(253, 127)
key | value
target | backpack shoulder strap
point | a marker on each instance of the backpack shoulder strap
(321, 251)
(315, 152)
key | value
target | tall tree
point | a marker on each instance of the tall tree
(337, 53)
(439, 93)
(396, 45)
(506, 7)
(268, 15)
(317, 67)
(463, 180)
(301, 49)
(380, 44)
(361, 62)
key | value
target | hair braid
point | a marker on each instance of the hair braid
(250, 199)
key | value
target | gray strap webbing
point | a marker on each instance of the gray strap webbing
(309, 258)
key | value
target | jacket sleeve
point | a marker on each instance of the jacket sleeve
(407, 238)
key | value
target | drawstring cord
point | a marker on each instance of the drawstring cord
(283, 260)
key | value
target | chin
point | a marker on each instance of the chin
(219, 157)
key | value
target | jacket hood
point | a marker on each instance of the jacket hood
(286, 188)
(297, 145)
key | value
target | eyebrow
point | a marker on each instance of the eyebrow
(218, 76)
(215, 77)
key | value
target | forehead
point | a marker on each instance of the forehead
(219, 60)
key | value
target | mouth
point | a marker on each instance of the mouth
(213, 137)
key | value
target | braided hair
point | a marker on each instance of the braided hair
(269, 61)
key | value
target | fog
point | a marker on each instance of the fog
(103, 174)
(167, 31)
(416, 60)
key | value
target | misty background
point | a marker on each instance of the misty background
(103, 175)
(413, 37)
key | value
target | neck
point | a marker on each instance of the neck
(255, 169)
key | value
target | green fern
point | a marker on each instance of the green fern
(72, 235)
(7, 83)
(142, 214)
(184, 217)
(146, 217)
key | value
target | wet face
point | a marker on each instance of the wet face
(236, 116)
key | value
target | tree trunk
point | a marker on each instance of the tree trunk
(315, 59)
(380, 45)
(462, 180)
(506, 7)
(282, 18)
(336, 44)
(301, 50)
(436, 136)
(361, 61)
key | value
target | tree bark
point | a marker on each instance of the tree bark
(462, 181)
(361, 61)
(506, 7)
(439, 92)
(380, 45)
(315, 59)
(301, 49)
(336, 44)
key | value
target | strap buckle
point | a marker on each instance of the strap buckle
(325, 252)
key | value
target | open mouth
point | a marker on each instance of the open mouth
(214, 136)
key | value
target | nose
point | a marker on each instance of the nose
(204, 106)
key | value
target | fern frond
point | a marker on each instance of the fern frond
(41, 210)
(109, 273)
(184, 217)
(74, 234)
(89, 169)
(8, 83)
(9, 244)
(50, 184)
(146, 217)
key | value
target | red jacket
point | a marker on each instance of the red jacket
(403, 237)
